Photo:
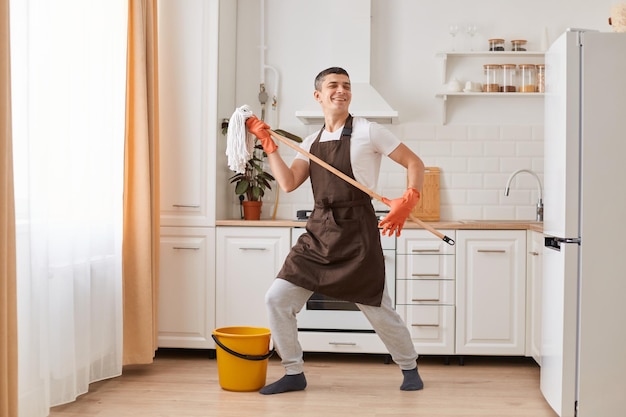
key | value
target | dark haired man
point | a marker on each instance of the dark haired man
(340, 255)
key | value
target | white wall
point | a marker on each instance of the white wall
(479, 146)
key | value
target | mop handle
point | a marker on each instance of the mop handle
(355, 183)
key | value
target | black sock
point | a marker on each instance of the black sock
(285, 384)
(412, 380)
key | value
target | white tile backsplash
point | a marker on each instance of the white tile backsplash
(483, 133)
(468, 149)
(451, 132)
(435, 148)
(476, 162)
(484, 164)
(500, 148)
(516, 133)
(474, 181)
(528, 148)
(482, 197)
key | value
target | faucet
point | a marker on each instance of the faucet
(539, 202)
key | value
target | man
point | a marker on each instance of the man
(340, 254)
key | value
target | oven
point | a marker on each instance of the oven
(325, 314)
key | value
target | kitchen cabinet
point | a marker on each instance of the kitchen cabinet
(197, 40)
(534, 291)
(248, 260)
(187, 131)
(468, 66)
(491, 292)
(187, 140)
(186, 287)
(466, 299)
(425, 290)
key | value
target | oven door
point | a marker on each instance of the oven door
(322, 313)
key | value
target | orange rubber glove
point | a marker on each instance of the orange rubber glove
(400, 210)
(259, 129)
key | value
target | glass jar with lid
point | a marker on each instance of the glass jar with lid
(518, 45)
(509, 78)
(541, 78)
(496, 44)
(527, 78)
(492, 78)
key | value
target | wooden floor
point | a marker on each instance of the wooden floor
(185, 383)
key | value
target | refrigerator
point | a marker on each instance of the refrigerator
(583, 349)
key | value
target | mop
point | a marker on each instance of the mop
(239, 150)
(239, 142)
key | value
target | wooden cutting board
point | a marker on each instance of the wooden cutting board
(427, 209)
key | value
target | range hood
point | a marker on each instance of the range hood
(355, 38)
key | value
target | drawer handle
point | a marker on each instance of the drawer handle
(425, 299)
(185, 248)
(426, 250)
(186, 205)
(252, 249)
(533, 253)
(342, 343)
(424, 325)
(491, 250)
(425, 275)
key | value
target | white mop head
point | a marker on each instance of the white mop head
(240, 142)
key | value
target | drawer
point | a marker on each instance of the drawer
(341, 342)
(425, 266)
(431, 327)
(424, 291)
(423, 242)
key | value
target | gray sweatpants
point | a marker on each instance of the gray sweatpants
(284, 300)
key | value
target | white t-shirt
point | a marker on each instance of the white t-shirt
(369, 142)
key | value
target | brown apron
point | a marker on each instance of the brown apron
(340, 255)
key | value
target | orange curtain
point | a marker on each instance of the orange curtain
(140, 251)
(8, 293)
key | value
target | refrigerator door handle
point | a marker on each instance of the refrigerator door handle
(555, 243)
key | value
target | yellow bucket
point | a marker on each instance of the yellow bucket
(242, 355)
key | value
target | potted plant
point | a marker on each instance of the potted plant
(250, 185)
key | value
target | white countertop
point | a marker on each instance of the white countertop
(443, 224)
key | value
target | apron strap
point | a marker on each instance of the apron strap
(347, 128)
(345, 133)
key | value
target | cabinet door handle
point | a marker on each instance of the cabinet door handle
(426, 250)
(424, 325)
(252, 249)
(425, 299)
(425, 275)
(186, 205)
(491, 250)
(186, 248)
(342, 343)
(533, 253)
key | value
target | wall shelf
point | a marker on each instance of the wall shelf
(487, 57)
(480, 94)
(446, 96)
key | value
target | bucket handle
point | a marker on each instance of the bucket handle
(241, 355)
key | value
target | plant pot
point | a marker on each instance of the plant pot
(252, 210)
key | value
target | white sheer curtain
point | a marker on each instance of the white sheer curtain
(68, 65)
